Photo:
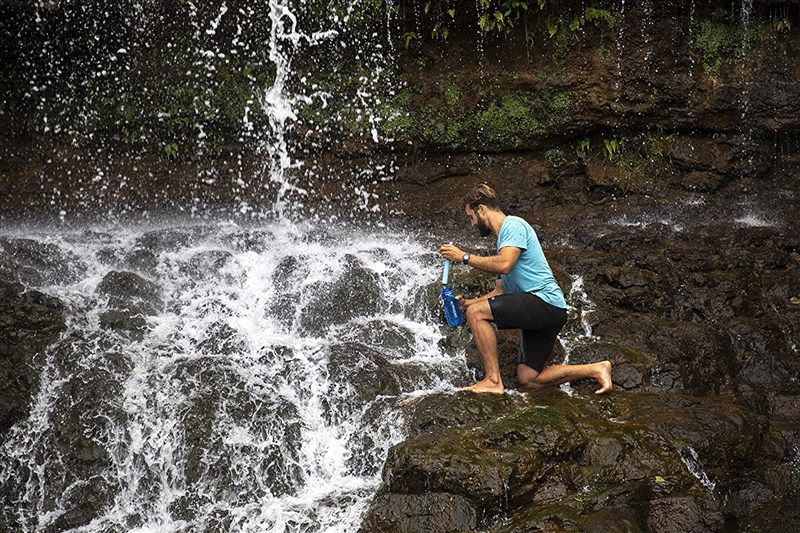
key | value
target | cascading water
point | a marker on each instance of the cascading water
(578, 331)
(243, 378)
(692, 461)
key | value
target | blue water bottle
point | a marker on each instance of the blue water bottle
(452, 309)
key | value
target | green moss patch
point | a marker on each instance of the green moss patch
(513, 120)
(716, 42)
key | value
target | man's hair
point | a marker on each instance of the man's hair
(481, 195)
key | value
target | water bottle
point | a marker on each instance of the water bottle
(452, 309)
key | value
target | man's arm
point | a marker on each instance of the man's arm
(502, 263)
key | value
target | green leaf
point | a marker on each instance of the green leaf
(498, 16)
(660, 480)
(427, 7)
(452, 13)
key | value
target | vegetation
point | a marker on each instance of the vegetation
(717, 45)
(508, 121)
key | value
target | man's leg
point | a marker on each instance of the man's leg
(479, 317)
(558, 374)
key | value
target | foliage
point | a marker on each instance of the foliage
(555, 157)
(171, 150)
(716, 42)
(501, 16)
(452, 95)
(611, 148)
(582, 151)
(782, 23)
(507, 121)
(600, 17)
(564, 30)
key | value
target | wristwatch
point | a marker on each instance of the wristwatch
(465, 259)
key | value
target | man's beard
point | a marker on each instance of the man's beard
(483, 229)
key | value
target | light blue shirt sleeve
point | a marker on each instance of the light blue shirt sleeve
(513, 234)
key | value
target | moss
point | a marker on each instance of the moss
(519, 117)
(555, 157)
(716, 42)
(600, 17)
(453, 95)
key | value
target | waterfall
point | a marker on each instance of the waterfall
(578, 330)
(229, 378)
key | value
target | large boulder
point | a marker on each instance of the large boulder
(531, 462)
(354, 293)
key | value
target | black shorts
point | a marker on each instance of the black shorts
(539, 321)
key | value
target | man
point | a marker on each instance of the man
(526, 296)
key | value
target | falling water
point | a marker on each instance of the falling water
(692, 461)
(236, 98)
(241, 378)
(578, 330)
(691, 37)
(744, 19)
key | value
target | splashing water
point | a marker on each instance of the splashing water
(578, 330)
(242, 379)
(692, 461)
(753, 221)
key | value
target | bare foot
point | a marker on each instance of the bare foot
(485, 385)
(603, 377)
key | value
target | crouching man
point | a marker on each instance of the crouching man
(526, 297)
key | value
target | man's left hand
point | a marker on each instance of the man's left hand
(453, 253)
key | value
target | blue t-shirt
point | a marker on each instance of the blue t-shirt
(531, 273)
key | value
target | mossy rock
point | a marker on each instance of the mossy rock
(510, 121)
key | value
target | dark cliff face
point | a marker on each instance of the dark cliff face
(569, 103)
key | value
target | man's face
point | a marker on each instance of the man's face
(478, 220)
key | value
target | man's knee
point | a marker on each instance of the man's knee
(473, 314)
(527, 377)
(479, 311)
(529, 382)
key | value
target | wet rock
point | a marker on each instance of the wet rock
(163, 240)
(142, 260)
(128, 321)
(544, 460)
(38, 263)
(628, 376)
(681, 513)
(355, 293)
(214, 394)
(80, 503)
(439, 512)
(125, 288)
(364, 373)
(698, 154)
(701, 181)
(393, 340)
(86, 410)
(426, 303)
(29, 322)
(203, 265)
